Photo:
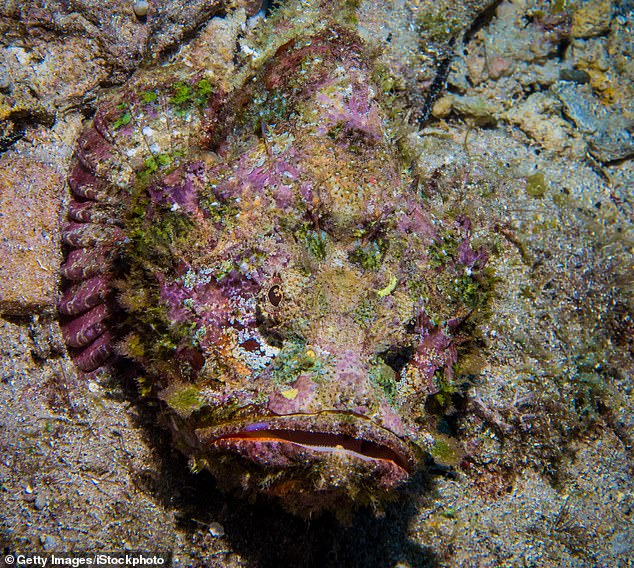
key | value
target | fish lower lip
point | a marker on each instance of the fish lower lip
(321, 442)
(331, 433)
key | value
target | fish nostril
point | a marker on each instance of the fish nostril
(397, 357)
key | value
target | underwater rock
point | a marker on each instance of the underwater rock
(29, 230)
(59, 53)
(538, 117)
(591, 19)
(262, 256)
(608, 132)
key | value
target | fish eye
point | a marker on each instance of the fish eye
(275, 295)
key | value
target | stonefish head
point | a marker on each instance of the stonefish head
(262, 256)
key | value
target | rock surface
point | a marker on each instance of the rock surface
(30, 209)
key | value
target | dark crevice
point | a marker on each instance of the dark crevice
(268, 329)
(562, 46)
(397, 358)
(269, 6)
(481, 21)
(167, 52)
(14, 129)
(17, 319)
(10, 138)
(436, 88)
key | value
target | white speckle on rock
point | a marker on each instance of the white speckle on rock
(249, 51)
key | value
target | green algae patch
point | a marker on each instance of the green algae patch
(437, 25)
(443, 250)
(221, 212)
(203, 91)
(461, 277)
(536, 185)
(316, 243)
(132, 346)
(186, 95)
(155, 241)
(149, 97)
(474, 291)
(183, 399)
(122, 121)
(444, 451)
(384, 377)
(369, 256)
(349, 12)
(440, 401)
(292, 361)
(365, 313)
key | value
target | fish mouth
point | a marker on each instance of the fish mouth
(327, 443)
(315, 437)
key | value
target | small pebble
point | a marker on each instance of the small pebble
(141, 8)
(575, 75)
(49, 542)
(216, 529)
(40, 502)
(5, 80)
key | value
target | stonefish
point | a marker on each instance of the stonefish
(262, 255)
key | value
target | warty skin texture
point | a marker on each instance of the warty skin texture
(263, 258)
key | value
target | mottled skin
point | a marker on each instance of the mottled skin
(262, 256)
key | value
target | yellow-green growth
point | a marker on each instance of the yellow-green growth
(185, 400)
(536, 185)
(444, 397)
(369, 255)
(149, 96)
(348, 12)
(384, 377)
(444, 451)
(389, 288)
(436, 25)
(292, 361)
(186, 95)
(124, 119)
(444, 250)
(133, 346)
(316, 242)
(145, 385)
(155, 241)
